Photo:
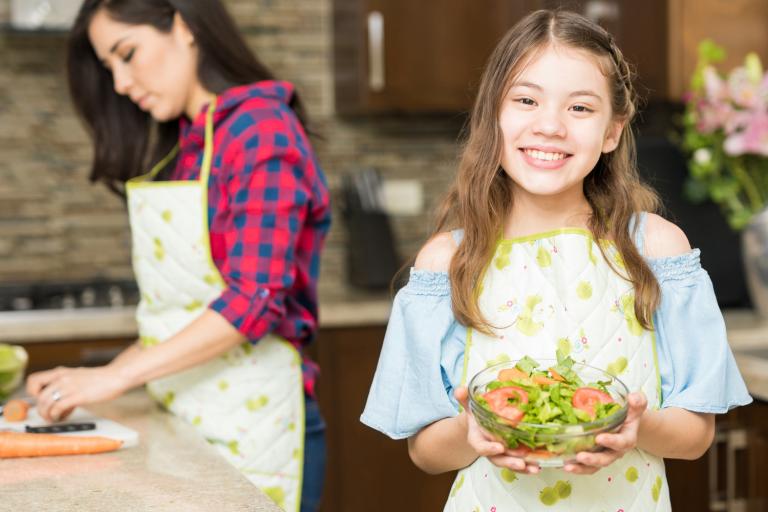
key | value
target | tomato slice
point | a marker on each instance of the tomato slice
(586, 399)
(499, 402)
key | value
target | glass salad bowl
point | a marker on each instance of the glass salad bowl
(548, 409)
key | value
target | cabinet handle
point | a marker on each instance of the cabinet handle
(737, 440)
(716, 494)
(600, 10)
(376, 51)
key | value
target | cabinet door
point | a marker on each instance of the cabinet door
(737, 25)
(415, 56)
(731, 476)
(747, 459)
(366, 470)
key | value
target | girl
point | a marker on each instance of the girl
(554, 251)
(227, 229)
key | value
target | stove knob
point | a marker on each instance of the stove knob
(88, 297)
(115, 296)
(21, 303)
(68, 301)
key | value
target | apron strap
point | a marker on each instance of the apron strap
(205, 170)
(161, 164)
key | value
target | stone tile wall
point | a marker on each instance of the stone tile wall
(55, 226)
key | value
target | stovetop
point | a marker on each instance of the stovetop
(68, 295)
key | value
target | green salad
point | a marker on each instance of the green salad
(13, 362)
(546, 407)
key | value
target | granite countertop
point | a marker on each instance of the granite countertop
(748, 337)
(171, 469)
(120, 323)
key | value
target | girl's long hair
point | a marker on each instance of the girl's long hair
(127, 141)
(480, 199)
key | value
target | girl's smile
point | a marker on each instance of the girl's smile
(545, 157)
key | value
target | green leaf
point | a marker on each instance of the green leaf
(527, 364)
(754, 67)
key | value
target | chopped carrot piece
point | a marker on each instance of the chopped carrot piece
(15, 410)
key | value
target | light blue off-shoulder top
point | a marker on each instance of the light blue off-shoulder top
(422, 357)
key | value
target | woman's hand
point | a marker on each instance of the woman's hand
(487, 446)
(60, 390)
(618, 444)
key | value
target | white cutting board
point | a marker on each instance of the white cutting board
(104, 427)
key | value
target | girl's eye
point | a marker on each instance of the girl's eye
(526, 101)
(128, 56)
(581, 108)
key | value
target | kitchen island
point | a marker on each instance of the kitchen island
(172, 469)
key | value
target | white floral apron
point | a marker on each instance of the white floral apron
(247, 402)
(550, 291)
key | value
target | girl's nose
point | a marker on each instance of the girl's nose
(122, 79)
(549, 124)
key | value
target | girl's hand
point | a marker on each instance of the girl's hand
(618, 444)
(487, 446)
(60, 390)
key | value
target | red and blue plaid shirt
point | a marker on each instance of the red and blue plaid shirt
(268, 212)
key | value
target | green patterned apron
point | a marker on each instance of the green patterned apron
(550, 291)
(248, 402)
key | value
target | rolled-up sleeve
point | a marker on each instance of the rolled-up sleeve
(268, 202)
(411, 384)
(697, 367)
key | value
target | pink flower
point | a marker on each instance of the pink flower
(743, 90)
(715, 89)
(712, 116)
(753, 139)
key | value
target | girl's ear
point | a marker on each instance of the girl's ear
(613, 135)
(181, 30)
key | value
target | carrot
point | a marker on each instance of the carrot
(15, 410)
(513, 373)
(17, 444)
(556, 375)
(541, 379)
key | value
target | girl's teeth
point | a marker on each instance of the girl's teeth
(541, 155)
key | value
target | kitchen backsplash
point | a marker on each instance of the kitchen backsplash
(55, 226)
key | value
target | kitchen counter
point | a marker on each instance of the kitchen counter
(748, 337)
(171, 469)
(747, 333)
(112, 323)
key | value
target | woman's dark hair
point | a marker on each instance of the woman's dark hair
(127, 141)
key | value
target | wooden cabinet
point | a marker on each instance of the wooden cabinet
(415, 56)
(732, 476)
(47, 355)
(427, 56)
(366, 470)
(737, 25)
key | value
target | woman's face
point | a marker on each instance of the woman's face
(156, 70)
(556, 120)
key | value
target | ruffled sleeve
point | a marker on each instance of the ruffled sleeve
(698, 371)
(411, 387)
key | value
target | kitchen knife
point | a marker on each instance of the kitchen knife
(58, 428)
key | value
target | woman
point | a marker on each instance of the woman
(227, 229)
